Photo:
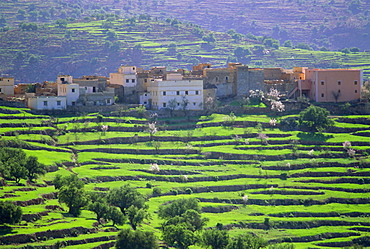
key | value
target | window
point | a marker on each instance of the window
(339, 83)
(133, 81)
(45, 103)
(127, 81)
(355, 82)
(178, 104)
(194, 103)
(186, 92)
(108, 101)
(73, 103)
(0, 90)
(355, 91)
(164, 104)
(196, 92)
(226, 79)
(177, 92)
(338, 91)
(164, 93)
(59, 102)
(133, 68)
(145, 102)
(322, 95)
(145, 95)
(322, 83)
(73, 90)
(145, 80)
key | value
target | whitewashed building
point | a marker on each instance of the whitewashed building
(174, 91)
(46, 102)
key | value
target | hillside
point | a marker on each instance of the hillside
(335, 24)
(39, 53)
(303, 188)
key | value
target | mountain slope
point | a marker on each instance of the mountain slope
(101, 46)
(334, 24)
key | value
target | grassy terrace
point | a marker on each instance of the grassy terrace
(303, 194)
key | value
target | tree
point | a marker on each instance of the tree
(136, 216)
(73, 180)
(10, 213)
(179, 236)
(215, 238)
(191, 218)
(75, 198)
(100, 208)
(172, 104)
(125, 197)
(34, 168)
(315, 118)
(12, 163)
(116, 216)
(246, 241)
(178, 207)
(128, 238)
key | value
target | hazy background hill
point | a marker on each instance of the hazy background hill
(335, 24)
(39, 40)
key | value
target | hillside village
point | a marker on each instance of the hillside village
(159, 88)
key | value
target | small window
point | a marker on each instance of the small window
(322, 83)
(0, 90)
(145, 102)
(45, 103)
(73, 103)
(73, 90)
(339, 83)
(226, 79)
(355, 82)
(164, 93)
(177, 92)
(196, 92)
(186, 92)
(355, 91)
(108, 101)
(59, 102)
(145, 80)
(133, 68)
(133, 81)
(145, 95)
(178, 104)
(164, 104)
(338, 91)
(194, 103)
(322, 95)
(127, 81)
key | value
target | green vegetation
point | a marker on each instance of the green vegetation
(209, 185)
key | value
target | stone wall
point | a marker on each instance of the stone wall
(248, 79)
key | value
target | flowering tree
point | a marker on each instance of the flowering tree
(104, 129)
(277, 106)
(154, 168)
(152, 129)
(263, 137)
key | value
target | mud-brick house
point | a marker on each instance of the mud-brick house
(235, 80)
(6, 85)
(127, 78)
(174, 88)
(332, 85)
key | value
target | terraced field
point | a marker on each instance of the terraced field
(302, 188)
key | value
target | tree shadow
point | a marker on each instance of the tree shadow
(6, 230)
(312, 136)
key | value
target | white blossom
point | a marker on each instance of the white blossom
(277, 106)
(273, 122)
(154, 167)
(310, 153)
(245, 198)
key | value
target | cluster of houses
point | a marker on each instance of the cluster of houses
(159, 88)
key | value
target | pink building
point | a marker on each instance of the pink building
(332, 85)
